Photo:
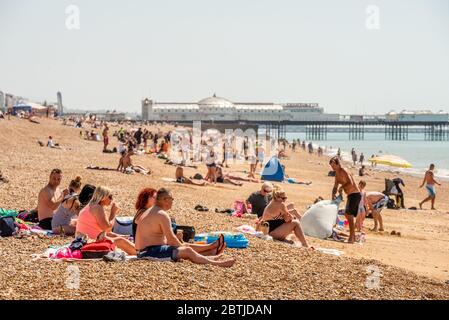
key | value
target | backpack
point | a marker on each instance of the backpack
(7, 226)
(97, 249)
(198, 176)
(123, 226)
(188, 233)
(391, 204)
(86, 194)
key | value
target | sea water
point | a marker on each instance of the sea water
(418, 152)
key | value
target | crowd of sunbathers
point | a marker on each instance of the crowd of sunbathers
(91, 211)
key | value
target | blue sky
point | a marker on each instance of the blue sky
(253, 50)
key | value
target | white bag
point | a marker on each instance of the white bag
(319, 220)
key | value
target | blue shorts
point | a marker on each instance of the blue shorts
(379, 205)
(164, 252)
(431, 190)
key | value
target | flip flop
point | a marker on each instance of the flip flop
(201, 208)
(221, 244)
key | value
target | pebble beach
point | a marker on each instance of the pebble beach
(412, 266)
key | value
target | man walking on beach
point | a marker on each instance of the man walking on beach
(430, 182)
(344, 178)
(49, 199)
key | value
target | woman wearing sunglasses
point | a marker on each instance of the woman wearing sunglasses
(94, 220)
(283, 219)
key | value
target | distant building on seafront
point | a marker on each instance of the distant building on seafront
(223, 110)
(417, 116)
(111, 116)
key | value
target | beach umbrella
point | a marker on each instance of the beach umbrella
(391, 160)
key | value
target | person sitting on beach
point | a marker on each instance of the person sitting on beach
(121, 147)
(364, 172)
(64, 219)
(180, 178)
(94, 222)
(51, 144)
(155, 237)
(259, 200)
(145, 200)
(49, 199)
(125, 163)
(281, 219)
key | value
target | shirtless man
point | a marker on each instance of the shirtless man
(125, 162)
(49, 199)
(430, 182)
(344, 178)
(155, 237)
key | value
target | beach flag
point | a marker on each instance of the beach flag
(273, 171)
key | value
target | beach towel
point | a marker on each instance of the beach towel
(8, 213)
(232, 239)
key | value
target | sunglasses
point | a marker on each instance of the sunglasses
(283, 198)
(267, 191)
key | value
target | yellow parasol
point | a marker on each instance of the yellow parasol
(391, 160)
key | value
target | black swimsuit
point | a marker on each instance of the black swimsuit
(275, 223)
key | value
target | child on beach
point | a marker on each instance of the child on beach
(362, 210)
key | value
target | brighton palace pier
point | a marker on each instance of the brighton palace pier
(221, 113)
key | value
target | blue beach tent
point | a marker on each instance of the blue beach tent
(273, 171)
(21, 107)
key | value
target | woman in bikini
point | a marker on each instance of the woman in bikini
(283, 219)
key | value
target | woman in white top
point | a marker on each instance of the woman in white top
(211, 165)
